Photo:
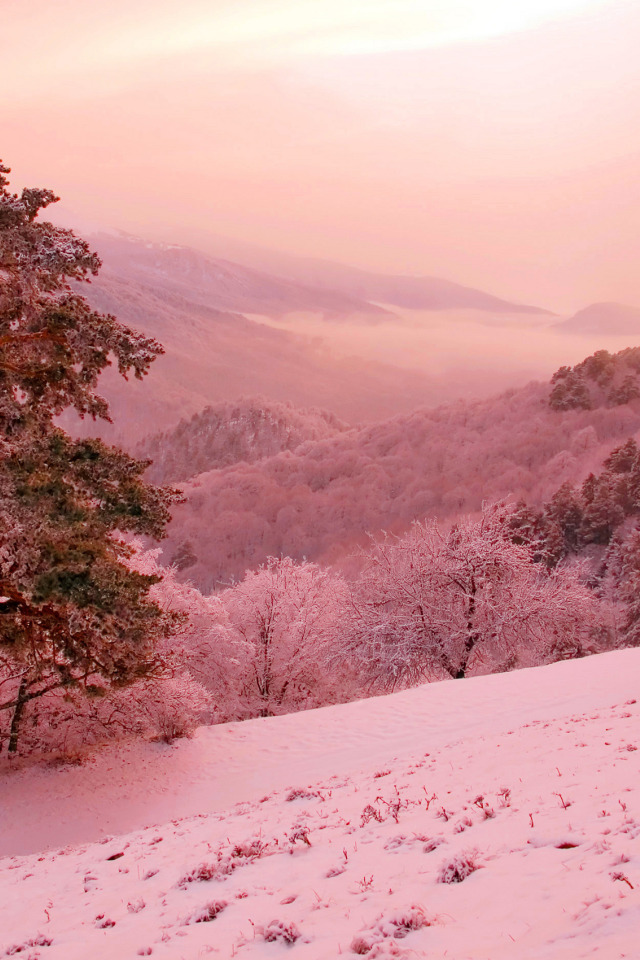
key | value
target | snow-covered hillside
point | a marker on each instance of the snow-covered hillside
(493, 818)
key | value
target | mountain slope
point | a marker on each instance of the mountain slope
(604, 318)
(224, 285)
(213, 356)
(419, 292)
(320, 501)
(489, 819)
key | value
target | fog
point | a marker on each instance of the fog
(475, 353)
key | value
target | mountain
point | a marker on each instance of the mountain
(320, 500)
(604, 318)
(281, 284)
(232, 432)
(419, 292)
(395, 827)
(223, 285)
(414, 293)
(211, 356)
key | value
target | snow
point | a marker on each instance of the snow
(331, 832)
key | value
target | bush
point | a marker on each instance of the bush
(459, 868)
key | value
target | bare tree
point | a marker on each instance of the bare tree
(439, 603)
(286, 615)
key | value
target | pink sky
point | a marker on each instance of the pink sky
(495, 143)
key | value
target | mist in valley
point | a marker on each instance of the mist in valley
(468, 353)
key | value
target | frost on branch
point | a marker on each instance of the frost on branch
(442, 603)
(286, 616)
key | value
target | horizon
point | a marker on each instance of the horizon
(494, 144)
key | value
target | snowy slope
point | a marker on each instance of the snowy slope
(348, 822)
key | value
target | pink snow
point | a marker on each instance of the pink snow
(337, 831)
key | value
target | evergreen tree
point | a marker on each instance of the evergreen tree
(623, 459)
(72, 613)
(624, 573)
(564, 513)
(570, 392)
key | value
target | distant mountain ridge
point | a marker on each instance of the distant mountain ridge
(293, 285)
(409, 292)
(413, 292)
(221, 284)
(604, 318)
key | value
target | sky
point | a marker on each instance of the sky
(493, 142)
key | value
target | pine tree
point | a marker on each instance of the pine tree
(570, 392)
(72, 613)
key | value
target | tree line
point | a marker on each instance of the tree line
(98, 641)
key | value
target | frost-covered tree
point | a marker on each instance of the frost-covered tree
(67, 720)
(206, 647)
(447, 603)
(73, 614)
(287, 616)
(570, 392)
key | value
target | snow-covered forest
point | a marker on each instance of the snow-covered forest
(320, 480)
(307, 562)
(321, 499)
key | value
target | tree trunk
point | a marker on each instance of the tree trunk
(14, 732)
(472, 635)
(264, 677)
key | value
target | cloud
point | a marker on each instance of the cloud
(91, 43)
(509, 163)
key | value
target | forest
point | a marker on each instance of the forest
(321, 499)
(288, 560)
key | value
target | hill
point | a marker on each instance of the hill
(232, 432)
(491, 818)
(222, 284)
(412, 292)
(601, 380)
(212, 356)
(320, 500)
(605, 319)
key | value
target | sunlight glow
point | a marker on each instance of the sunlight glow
(269, 30)
(252, 34)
